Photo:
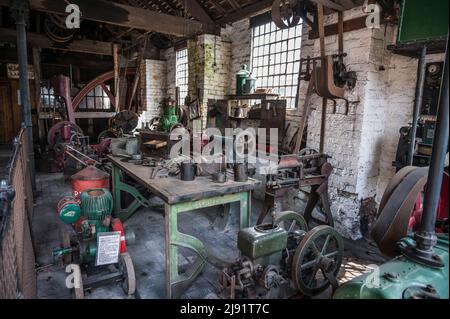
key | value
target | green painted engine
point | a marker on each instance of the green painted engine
(170, 117)
(402, 278)
(283, 259)
(89, 216)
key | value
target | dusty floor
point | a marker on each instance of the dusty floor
(148, 252)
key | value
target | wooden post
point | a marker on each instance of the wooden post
(116, 75)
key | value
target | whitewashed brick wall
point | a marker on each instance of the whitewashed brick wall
(155, 87)
(362, 144)
(209, 59)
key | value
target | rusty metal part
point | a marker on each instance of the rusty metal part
(294, 171)
(55, 28)
(98, 81)
(321, 249)
(240, 172)
(392, 222)
(127, 269)
(61, 87)
(125, 121)
(284, 13)
(325, 86)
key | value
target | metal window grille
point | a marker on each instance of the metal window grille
(182, 73)
(97, 99)
(47, 98)
(276, 59)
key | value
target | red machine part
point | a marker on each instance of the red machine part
(61, 87)
(88, 178)
(103, 148)
(117, 225)
(442, 213)
(61, 130)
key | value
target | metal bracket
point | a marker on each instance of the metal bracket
(118, 187)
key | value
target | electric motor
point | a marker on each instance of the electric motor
(97, 203)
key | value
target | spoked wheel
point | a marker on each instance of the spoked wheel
(78, 282)
(291, 221)
(317, 260)
(127, 269)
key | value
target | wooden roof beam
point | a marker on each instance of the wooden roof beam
(245, 12)
(196, 11)
(126, 16)
(41, 41)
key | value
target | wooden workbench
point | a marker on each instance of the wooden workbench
(179, 197)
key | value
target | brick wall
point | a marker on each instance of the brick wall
(209, 59)
(154, 88)
(362, 144)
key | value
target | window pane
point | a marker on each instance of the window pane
(182, 73)
(275, 59)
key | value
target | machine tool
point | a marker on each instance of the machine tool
(307, 169)
(283, 259)
(97, 244)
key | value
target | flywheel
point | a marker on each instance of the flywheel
(396, 208)
(317, 260)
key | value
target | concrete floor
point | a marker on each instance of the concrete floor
(149, 251)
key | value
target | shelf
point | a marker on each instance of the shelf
(413, 50)
(262, 96)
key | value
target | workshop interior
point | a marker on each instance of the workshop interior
(224, 149)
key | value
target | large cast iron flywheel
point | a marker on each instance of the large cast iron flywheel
(101, 81)
(396, 208)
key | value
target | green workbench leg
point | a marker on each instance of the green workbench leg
(118, 187)
(171, 225)
(177, 283)
(116, 190)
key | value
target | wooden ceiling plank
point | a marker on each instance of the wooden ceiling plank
(196, 11)
(218, 6)
(125, 16)
(245, 12)
(234, 4)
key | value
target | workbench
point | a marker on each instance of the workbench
(179, 197)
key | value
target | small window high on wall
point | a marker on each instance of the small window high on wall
(182, 74)
(276, 59)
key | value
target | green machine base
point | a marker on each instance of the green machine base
(402, 278)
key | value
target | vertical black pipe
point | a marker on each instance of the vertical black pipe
(426, 234)
(21, 10)
(417, 103)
